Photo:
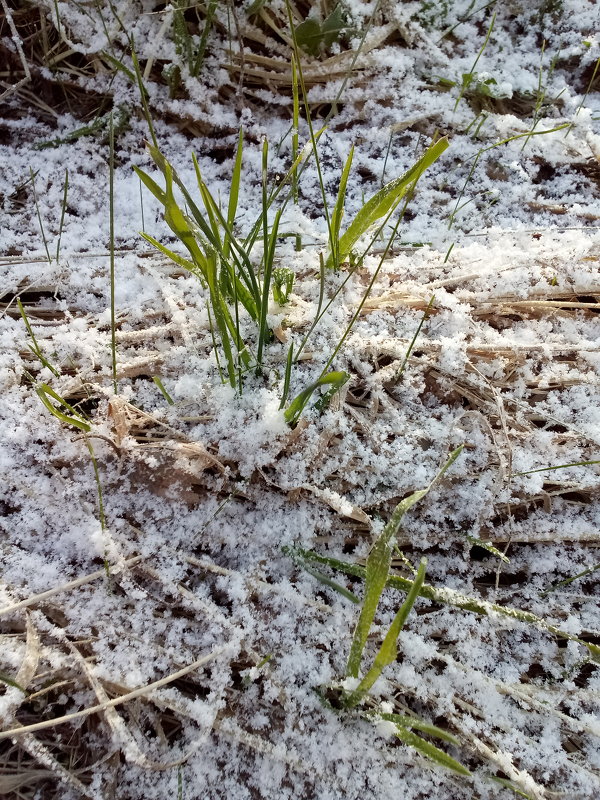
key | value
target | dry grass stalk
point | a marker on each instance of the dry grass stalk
(143, 691)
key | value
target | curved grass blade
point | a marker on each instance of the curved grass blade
(385, 200)
(324, 579)
(338, 210)
(296, 407)
(559, 466)
(35, 348)
(234, 193)
(10, 682)
(45, 392)
(175, 257)
(510, 785)
(269, 257)
(162, 390)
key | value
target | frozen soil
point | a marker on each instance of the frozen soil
(205, 499)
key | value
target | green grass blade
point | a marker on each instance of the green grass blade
(143, 93)
(222, 317)
(63, 211)
(176, 219)
(162, 390)
(150, 184)
(560, 466)
(430, 751)
(208, 22)
(118, 65)
(296, 407)
(10, 682)
(190, 266)
(422, 321)
(567, 581)
(386, 199)
(338, 210)
(35, 349)
(287, 377)
(510, 785)
(32, 175)
(309, 121)
(45, 392)
(209, 204)
(389, 647)
(418, 724)
(270, 245)
(234, 193)
(489, 547)
(325, 579)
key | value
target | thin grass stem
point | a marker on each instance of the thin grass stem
(162, 390)
(62, 213)
(422, 321)
(469, 75)
(39, 216)
(111, 218)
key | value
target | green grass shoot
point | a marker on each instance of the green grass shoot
(111, 244)
(384, 201)
(467, 78)
(296, 407)
(422, 321)
(158, 382)
(32, 175)
(378, 569)
(34, 347)
(62, 212)
(389, 650)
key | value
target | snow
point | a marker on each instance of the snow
(210, 489)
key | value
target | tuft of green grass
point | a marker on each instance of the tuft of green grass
(377, 574)
(450, 597)
(226, 267)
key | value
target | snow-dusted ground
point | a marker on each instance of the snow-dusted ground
(201, 496)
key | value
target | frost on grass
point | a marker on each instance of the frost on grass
(201, 496)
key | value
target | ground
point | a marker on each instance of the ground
(183, 559)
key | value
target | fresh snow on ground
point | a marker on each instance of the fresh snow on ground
(210, 490)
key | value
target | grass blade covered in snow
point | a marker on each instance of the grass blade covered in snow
(451, 597)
